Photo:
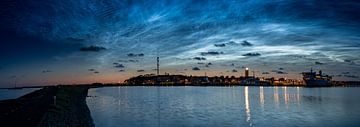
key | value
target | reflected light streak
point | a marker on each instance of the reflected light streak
(247, 106)
(276, 96)
(262, 96)
(118, 98)
(286, 97)
(298, 95)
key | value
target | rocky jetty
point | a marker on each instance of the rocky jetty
(55, 106)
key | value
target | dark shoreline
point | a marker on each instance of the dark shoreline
(38, 108)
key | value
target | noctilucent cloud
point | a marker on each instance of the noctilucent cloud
(84, 41)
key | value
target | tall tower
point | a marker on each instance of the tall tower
(157, 66)
(246, 72)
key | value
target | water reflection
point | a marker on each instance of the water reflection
(298, 95)
(262, 97)
(224, 106)
(247, 105)
(286, 97)
(276, 96)
(158, 106)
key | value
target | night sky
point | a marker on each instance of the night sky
(83, 41)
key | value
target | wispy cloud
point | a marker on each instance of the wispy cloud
(183, 33)
(246, 43)
(135, 55)
(199, 58)
(318, 63)
(211, 53)
(119, 66)
(252, 54)
(220, 45)
(92, 48)
(140, 70)
(46, 71)
(196, 69)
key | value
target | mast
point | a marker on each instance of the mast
(157, 66)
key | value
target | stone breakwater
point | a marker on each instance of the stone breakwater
(56, 106)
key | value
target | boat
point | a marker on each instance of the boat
(316, 80)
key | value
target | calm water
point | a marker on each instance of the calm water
(15, 93)
(224, 106)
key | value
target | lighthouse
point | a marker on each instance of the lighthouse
(246, 72)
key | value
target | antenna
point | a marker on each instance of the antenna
(157, 66)
(158, 88)
(14, 77)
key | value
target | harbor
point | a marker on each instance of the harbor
(180, 63)
(155, 106)
(69, 103)
(310, 79)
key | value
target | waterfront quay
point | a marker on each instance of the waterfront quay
(183, 80)
(210, 81)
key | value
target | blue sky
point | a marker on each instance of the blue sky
(52, 42)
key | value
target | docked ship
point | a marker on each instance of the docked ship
(316, 80)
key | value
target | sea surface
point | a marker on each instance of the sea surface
(240, 106)
(15, 93)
